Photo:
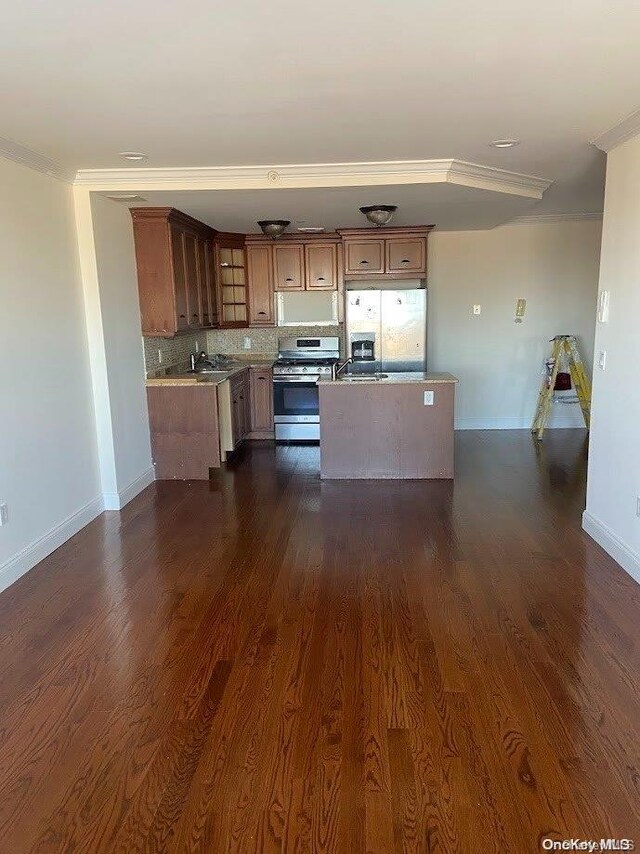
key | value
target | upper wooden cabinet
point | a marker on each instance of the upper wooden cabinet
(363, 257)
(231, 279)
(288, 267)
(406, 255)
(260, 276)
(321, 266)
(297, 265)
(174, 276)
(385, 253)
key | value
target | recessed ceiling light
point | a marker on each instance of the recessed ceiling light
(136, 156)
(504, 143)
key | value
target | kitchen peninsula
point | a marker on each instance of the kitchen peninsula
(395, 426)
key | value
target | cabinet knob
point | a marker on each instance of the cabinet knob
(364, 261)
(262, 312)
(183, 316)
(262, 379)
(405, 260)
(321, 278)
(288, 279)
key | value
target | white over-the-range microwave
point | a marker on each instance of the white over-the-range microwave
(307, 308)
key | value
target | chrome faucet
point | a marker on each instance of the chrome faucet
(337, 369)
(196, 359)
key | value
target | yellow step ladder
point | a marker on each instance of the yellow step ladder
(567, 346)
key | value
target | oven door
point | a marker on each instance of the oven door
(296, 401)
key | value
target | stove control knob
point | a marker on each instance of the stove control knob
(304, 370)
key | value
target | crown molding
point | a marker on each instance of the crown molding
(20, 154)
(314, 175)
(533, 219)
(624, 130)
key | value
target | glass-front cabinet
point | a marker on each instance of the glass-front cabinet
(231, 274)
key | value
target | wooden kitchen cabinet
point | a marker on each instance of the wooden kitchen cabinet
(321, 266)
(385, 253)
(260, 276)
(261, 395)
(240, 407)
(184, 428)
(231, 279)
(363, 257)
(171, 278)
(192, 275)
(406, 255)
(314, 264)
(288, 265)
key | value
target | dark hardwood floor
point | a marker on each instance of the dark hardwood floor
(268, 662)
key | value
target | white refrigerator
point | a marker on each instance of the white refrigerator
(387, 330)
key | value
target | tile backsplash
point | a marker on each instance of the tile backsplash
(264, 342)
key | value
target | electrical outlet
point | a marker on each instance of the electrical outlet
(159, 357)
(4, 514)
(602, 360)
(247, 342)
(477, 309)
(428, 398)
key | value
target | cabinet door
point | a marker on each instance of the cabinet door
(261, 390)
(321, 265)
(363, 257)
(245, 400)
(180, 284)
(232, 284)
(260, 277)
(211, 282)
(190, 242)
(288, 267)
(203, 282)
(408, 254)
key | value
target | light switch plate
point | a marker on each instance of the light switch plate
(603, 307)
(428, 398)
(477, 309)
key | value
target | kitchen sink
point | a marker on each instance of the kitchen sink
(209, 372)
(362, 378)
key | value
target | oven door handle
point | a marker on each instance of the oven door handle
(312, 380)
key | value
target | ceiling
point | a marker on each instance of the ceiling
(210, 84)
(449, 206)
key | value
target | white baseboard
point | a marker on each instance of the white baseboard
(628, 559)
(43, 546)
(117, 500)
(570, 420)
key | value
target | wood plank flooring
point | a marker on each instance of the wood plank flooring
(268, 663)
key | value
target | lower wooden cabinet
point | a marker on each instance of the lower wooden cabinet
(261, 392)
(240, 407)
(183, 422)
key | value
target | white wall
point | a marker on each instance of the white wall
(120, 315)
(554, 266)
(614, 449)
(48, 471)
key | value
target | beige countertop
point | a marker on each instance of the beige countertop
(392, 378)
(181, 378)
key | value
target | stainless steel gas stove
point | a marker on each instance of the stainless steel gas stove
(300, 364)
